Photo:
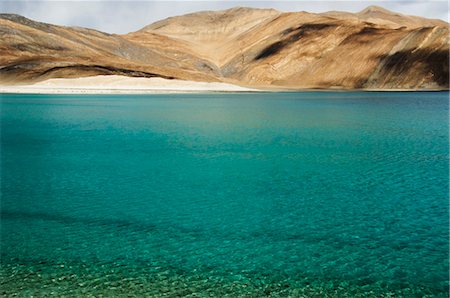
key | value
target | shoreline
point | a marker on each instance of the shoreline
(79, 91)
(114, 84)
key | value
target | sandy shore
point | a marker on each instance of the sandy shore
(114, 84)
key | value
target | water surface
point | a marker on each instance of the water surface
(325, 194)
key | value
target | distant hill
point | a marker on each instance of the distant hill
(372, 49)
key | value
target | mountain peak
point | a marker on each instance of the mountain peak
(247, 9)
(218, 22)
(374, 9)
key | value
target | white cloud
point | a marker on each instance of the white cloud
(125, 16)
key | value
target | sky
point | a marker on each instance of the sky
(122, 16)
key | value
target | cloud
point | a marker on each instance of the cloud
(126, 16)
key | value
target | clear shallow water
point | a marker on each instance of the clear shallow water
(316, 194)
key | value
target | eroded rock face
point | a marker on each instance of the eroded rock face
(255, 47)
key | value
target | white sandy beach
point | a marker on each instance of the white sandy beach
(114, 84)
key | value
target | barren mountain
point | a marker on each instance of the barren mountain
(371, 49)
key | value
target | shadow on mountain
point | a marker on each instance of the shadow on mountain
(294, 34)
(365, 35)
(37, 70)
(423, 62)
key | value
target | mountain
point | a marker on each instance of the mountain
(381, 16)
(372, 49)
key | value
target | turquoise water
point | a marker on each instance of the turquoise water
(295, 194)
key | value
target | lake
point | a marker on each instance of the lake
(256, 194)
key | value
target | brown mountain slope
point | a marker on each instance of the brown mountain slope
(257, 47)
(209, 32)
(34, 51)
